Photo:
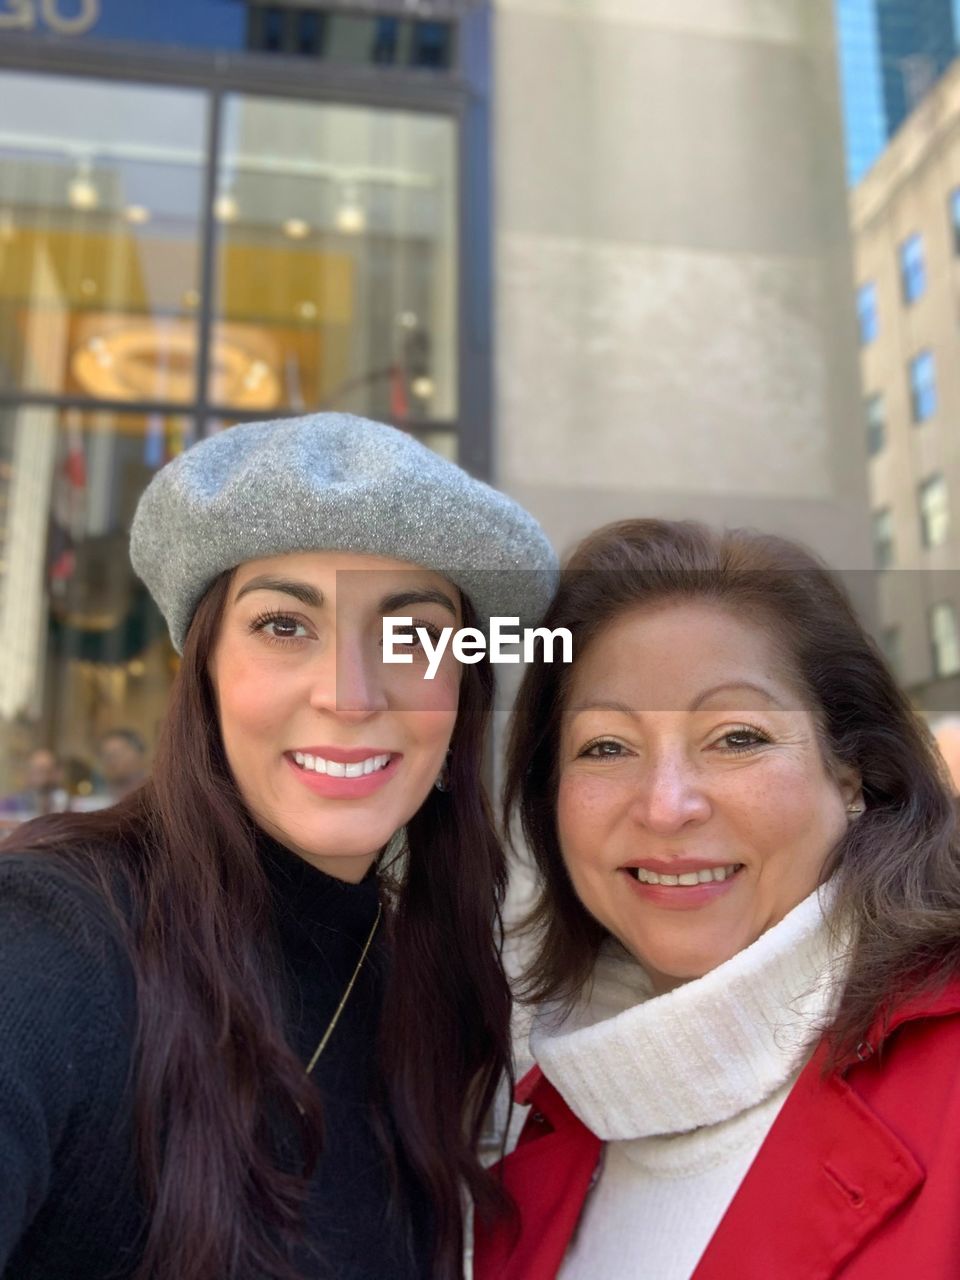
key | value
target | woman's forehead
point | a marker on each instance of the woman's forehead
(338, 574)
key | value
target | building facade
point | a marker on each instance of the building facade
(905, 217)
(892, 52)
(595, 249)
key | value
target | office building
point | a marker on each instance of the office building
(905, 217)
(892, 53)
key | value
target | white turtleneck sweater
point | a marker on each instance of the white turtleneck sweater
(683, 1088)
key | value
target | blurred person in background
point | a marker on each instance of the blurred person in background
(253, 1015)
(122, 762)
(747, 965)
(43, 791)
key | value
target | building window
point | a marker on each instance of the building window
(892, 647)
(955, 218)
(913, 271)
(923, 386)
(883, 551)
(867, 313)
(934, 511)
(944, 639)
(876, 424)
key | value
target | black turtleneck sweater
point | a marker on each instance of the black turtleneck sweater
(69, 1206)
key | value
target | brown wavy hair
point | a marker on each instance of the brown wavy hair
(211, 1058)
(897, 866)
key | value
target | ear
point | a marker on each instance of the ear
(850, 785)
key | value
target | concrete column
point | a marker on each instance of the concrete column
(674, 316)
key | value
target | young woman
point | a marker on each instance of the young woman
(749, 932)
(252, 1016)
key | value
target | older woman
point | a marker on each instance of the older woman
(748, 1040)
(229, 1050)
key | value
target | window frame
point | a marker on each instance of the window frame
(876, 423)
(913, 269)
(464, 94)
(923, 391)
(884, 537)
(935, 483)
(868, 316)
(943, 609)
(953, 206)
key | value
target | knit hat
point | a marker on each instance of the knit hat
(332, 481)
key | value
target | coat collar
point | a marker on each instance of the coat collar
(832, 1155)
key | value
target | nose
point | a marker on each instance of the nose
(671, 794)
(349, 682)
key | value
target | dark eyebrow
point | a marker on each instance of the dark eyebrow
(602, 705)
(401, 600)
(738, 684)
(301, 591)
(622, 707)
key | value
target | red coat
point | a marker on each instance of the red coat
(859, 1176)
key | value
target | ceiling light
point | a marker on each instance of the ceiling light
(88, 287)
(137, 214)
(296, 228)
(351, 217)
(307, 310)
(422, 387)
(225, 207)
(81, 192)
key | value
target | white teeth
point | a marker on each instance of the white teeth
(707, 876)
(317, 764)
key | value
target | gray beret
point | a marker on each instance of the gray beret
(331, 481)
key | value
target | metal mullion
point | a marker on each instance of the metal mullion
(89, 404)
(208, 245)
(271, 75)
(475, 257)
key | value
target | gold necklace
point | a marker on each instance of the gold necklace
(346, 995)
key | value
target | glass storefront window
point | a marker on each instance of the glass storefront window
(84, 648)
(336, 261)
(332, 247)
(100, 202)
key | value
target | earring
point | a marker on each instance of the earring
(443, 777)
(854, 810)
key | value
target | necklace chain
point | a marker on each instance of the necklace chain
(331, 1025)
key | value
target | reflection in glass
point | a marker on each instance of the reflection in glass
(336, 263)
(100, 197)
(85, 649)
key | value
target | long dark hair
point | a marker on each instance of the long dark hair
(897, 866)
(211, 1058)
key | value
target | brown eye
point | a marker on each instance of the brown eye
(605, 749)
(279, 627)
(744, 739)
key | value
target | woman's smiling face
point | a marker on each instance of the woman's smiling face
(687, 751)
(332, 750)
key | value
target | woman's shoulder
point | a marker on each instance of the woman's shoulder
(52, 913)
